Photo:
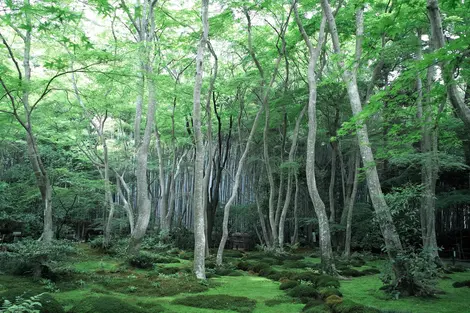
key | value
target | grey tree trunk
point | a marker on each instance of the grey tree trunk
(349, 206)
(291, 172)
(430, 166)
(235, 186)
(327, 259)
(391, 237)
(146, 32)
(198, 196)
(437, 33)
(295, 237)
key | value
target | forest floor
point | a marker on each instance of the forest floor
(170, 287)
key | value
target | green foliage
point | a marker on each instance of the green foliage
(304, 292)
(146, 260)
(219, 302)
(326, 292)
(20, 305)
(419, 275)
(348, 306)
(33, 299)
(288, 284)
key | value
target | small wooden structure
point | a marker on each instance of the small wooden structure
(240, 241)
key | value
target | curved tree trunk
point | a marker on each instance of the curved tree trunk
(390, 234)
(326, 251)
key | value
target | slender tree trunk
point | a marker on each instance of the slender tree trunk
(295, 237)
(349, 208)
(437, 33)
(327, 259)
(126, 201)
(291, 172)
(390, 234)
(198, 201)
(235, 186)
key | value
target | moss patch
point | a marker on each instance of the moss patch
(219, 302)
(105, 304)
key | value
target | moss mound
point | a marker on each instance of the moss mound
(218, 302)
(333, 299)
(371, 271)
(304, 292)
(326, 292)
(295, 264)
(326, 281)
(349, 272)
(289, 284)
(348, 306)
(305, 276)
(460, 284)
(315, 306)
(105, 304)
(48, 303)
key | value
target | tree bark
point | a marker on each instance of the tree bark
(390, 234)
(198, 205)
(327, 259)
(350, 206)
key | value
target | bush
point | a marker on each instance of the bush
(30, 258)
(182, 238)
(333, 299)
(303, 292)
(305, 276)
(460, 284)
(48, 303)
(295, 264)
(349, 272)
(348, 306)
(312, 304)
(419, 278)
(141, 260)
(326, 281)
(218, 302)
(233, 254)
(265, 272)
(275, 275)
(288, 284)
(105, 304)
(326, 292)
(370, 271)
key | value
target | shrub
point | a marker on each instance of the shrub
(333, 299)
(348, 306)
(312, 304)
(370, 271)
(288, 284)
(182, 238)
(233, 254)
(218, 302)
(295, 264)
(326, 292)
(265, 271)
(141, 260)
(305, 276)
(274, 302)
(303, 291)
(275, 275)
(48, 303)
(326, 281)
(351, 272)
(105, 304)
(243, 265)
(293, 257)
(460, 284)
(260, 266)
(28, 257)
(456, 269)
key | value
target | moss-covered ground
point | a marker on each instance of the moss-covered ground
(249, 284)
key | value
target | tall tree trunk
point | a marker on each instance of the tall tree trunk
(349, 206)
(295, 237)
(291, 172)
(390, 234)
(198, 205)
(235, 186)
(430, 166)
(146, 32)
(327, 259)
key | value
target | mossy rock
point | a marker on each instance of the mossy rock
(349, 272)
(48, 303)
(460, 284)
(218, 302)
(295, 264)
(266, 271)
(326, 281)
(348, 306)
(289, 284)
(329, 291)
(370, 271)
(305, 276)
(333, 299)
(105, 304)
(276, 276)
(313, 303)
(304, 292)
(233, 254)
